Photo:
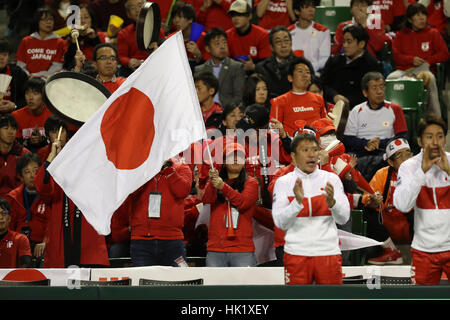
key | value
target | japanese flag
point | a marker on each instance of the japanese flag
(153, 116)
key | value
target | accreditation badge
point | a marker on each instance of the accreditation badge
(154, 205)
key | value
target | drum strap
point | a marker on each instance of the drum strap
(264, 160)
(72, 242)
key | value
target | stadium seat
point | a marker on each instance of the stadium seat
(151, 282)
(411, 95)
(91, 283)
(359, 227)
(330, 17)
(44, 282)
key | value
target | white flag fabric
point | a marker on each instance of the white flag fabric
(153, 116)
(350, 241)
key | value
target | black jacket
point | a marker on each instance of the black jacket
(275, 74)
(338, 77)
(19, 78)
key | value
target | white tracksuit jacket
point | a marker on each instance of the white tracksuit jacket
(310, 228)
(429, 194)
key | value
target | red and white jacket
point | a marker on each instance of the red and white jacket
(429, 194)
(311, 226)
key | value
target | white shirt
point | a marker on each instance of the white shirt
(310, 227)
(315, 41)
(429, 194)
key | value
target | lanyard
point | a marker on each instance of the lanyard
(72, 244)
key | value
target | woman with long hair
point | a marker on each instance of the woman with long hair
(232, 196)
(256, 90)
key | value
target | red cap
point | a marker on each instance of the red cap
(323, 125)
(234, 147)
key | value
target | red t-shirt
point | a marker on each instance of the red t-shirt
(390, 9)
(276, 14)
(27, 122)
(291, 107)
(436, 17)
(13, 246)
(215, 16)
(127, 47)
(254, 44)
(38, 54)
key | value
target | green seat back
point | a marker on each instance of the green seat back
(331, 17)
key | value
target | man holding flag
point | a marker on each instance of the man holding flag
(126, 142)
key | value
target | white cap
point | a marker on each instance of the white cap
(394, 146)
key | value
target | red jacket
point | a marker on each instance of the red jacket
(93, 246)
(245, 203)
(127, 47)
(427, 44)
(39, 214)
(13, 246)
(8, 177)
(174, 183)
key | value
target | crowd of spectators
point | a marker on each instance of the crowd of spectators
(268, 79)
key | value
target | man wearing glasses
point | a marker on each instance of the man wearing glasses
(275, 68)
(396, 226)
(105, 61)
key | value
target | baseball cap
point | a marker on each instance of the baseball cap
(239, 6)
(323, 126)
(234, 147)
(394, 146)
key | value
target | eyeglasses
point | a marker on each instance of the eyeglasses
(104, 58)
(281, 41)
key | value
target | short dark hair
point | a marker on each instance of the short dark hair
(214, 33)
(299, 60)
(412, 10)
(300, 4)
(277, 29)
(208, 79)
(4, 46)
(358, 32)
(368, 2)
(302, 137)
(4, 204)
(369, 76)
(41, 12)
(8, 120)
(229, 107)
(430, 119)
(26, 159)
(36, 84)
(53, 123)
(184, 10)
(103, 45)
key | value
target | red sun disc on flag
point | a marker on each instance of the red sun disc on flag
(398, 142)
(128, 130)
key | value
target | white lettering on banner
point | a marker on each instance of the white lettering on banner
(277, 7)
(302, 109)
(374, 17)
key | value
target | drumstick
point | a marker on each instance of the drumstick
(75, 35)
(59, 133)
